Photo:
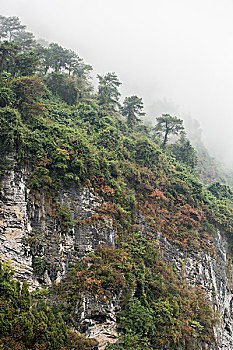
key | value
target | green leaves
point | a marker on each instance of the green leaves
(8, 52)
(63, 86)
(11, 127)
(132, 110)
(38, 265)
(26, 63)
(7, 97)
(10, 26)
(162, 307)
(167, 125)
(24, 327)
(65, 217)
(68, 137)
(136, 319)
(183, 151)
(108, 94)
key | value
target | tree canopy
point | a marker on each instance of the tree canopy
(132, 110)
(108, 93)
(10, 26)
(168, 125)
(184, 151)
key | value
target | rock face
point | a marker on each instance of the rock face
(215, 275)
(98, 319)
(41, 246)
(15, 224)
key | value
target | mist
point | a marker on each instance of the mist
(176, 55)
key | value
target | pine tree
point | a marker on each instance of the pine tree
(167, 125)
(132, 110)
(108, 94)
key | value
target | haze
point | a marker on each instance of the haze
(176, 55)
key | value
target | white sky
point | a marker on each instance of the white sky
(180, 50)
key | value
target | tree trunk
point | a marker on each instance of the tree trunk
(165, 138)
(2, 67)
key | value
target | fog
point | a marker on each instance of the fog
(175, 54)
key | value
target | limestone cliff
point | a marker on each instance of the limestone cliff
(30, 228)
(35, 241)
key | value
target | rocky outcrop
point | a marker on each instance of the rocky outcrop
(41, 246)
(98, 319)
(34, 240)
(14, 223)
(214, 273)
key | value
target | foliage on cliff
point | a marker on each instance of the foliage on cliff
(69, 136)
(26, 327)
(158, 309)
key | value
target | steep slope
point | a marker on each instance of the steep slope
(130, 247)
(51, 223)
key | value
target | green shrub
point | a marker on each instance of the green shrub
(38, 265)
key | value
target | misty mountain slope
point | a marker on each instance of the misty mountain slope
(119, 242)
(209, 169)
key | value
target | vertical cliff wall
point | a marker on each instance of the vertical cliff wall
(214, 274)
(35, 235)
(41, 245)
(15, 223)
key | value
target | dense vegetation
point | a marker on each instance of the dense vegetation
(24, 327)
(68, 135)
(158, 309)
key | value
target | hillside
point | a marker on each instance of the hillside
(117, 239)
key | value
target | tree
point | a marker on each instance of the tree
(64, 86)
(28, 92)
(26, 63)
(8, 52)
(71, 60)
(167, 125)
(11, 128)
(59, 57)
(45, 57)
(132, 109)
(7, 97)
(81, 71)
(27, 89)
(183, 151)
(76, 67)
(24, 327)
(3, 33)
(10, 26)
(24, 39)
(108, 94)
